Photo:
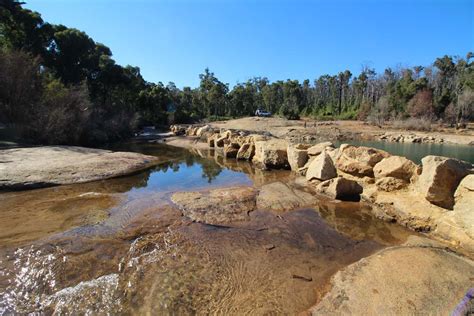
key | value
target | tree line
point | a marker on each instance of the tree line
(59, 86)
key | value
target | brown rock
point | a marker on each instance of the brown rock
(278, 196)
(389, 184)
(220, 141)
(341, 189)
(246, 151)
(271, 154)
(321, 168)
(440, 178)
(359, 161)
(297, 156)
(231, 150)
(217, 206)
(399, 281)
(319, 148)
(396, 167)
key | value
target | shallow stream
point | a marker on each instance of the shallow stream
(120, 246)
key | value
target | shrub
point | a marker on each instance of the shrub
(414, 124)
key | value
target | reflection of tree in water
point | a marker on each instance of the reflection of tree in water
(210, 169)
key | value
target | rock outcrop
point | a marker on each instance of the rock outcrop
(384, 283)
(440, 178)
(278, 196)
(322, 168)
(34, 167)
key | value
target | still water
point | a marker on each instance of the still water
(120, 246)
(416, 151)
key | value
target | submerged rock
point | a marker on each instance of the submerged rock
(440, 178)
(399, 281)
(217, 206)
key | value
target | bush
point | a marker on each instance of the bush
(413, 124)
(289, 113)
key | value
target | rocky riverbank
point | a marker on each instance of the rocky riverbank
(429, 198)
(34, 167)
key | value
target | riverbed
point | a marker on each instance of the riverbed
(121, 245)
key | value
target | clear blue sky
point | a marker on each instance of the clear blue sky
(175, 40)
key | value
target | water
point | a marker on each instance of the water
(119, 246)
(416, 151)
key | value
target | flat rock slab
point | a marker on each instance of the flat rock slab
(400, 281)
(217, 206)
(23, 168)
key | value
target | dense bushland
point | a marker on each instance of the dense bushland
(59, 86)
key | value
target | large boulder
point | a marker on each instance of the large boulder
(217, 206)
(412, 280)
(464, 195)
(211, 141)
(319, 148)
(231, 150)
(221, 141)
(297, 156)
(440, 178)
(359, 161)
(246, 151)
(271, 154)
(322, 168)
(396, 167)
(341, 189)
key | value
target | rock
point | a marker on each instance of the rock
(399, 281)
(211, 141)
(231, 150)
(278, 196)
(440, 178)
(389, 184)
(203, 129)
(35, 167)
(297, 156)
(341, 189)
(217, 206)
(322, 168)
(319, 148)
(359, 161)
(246, 151)
(396, 167)
(220, 141)
(464, 195)
(271, 154)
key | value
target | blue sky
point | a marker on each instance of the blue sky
(175, 40)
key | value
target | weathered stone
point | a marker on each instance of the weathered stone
(211, 140)
(53, 165)
(319, 148)
(217, 206)
(202, 129)
(389, 184)
(297, 156)
(399, 281)
(220, 141)
(231, 150)
(271, 154)
(396, 167)
(359, 161)
(341, 189)
(246, 151)
(322, 168)
(464, 195)
(278, 196)
(440, 178)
